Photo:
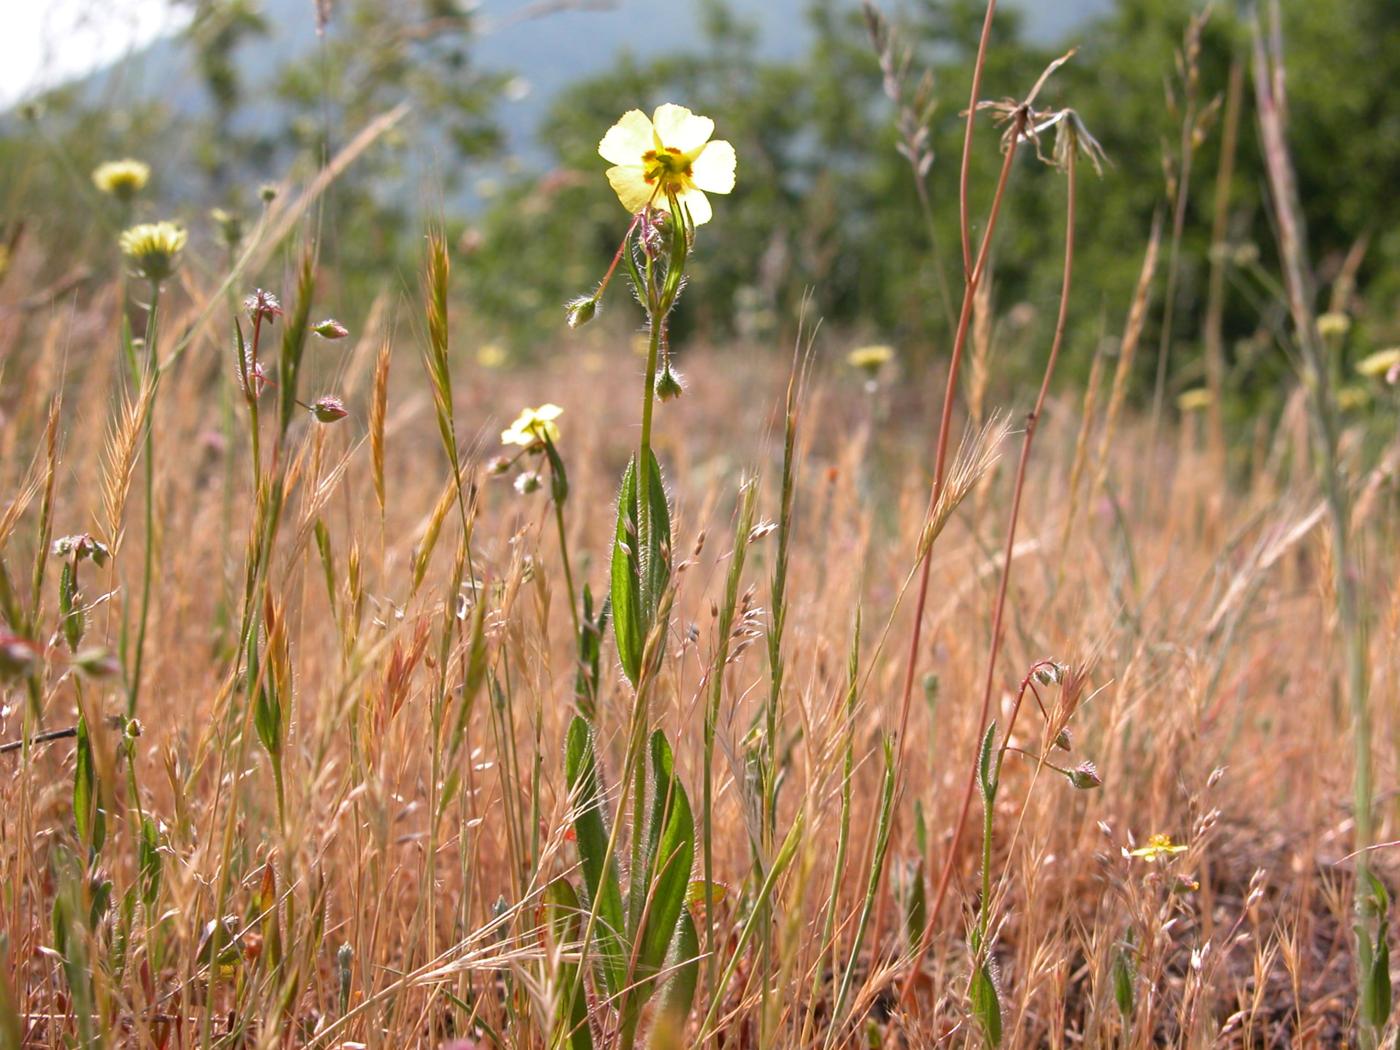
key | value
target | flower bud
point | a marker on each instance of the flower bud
(18, 656)
(496, 466)
(330, 328)
(578, 312)
(230, 227)
(1333, 325)
(97, 663)
(669, 385)
(328, 409)
(268, 193)
(262, 305)
(1085, 776)
(528, 482)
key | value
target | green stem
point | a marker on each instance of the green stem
(568, 571)
(148, 565)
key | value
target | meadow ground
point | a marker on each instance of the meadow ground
(1191, 593)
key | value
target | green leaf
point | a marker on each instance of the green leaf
(69, 609)
(590, 650)
(669, 856)
(986, 1005)
(987, 775)
(558, 476)
(88, 817)
(294, 341)
(601, 884)
(915, 905)
(564, 918)
(1374, 959)
(626, 596)
(679, 992)
(150, 867)
(1124, 982)
(641, 565)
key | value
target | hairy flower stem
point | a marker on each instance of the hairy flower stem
(939, 470)
(999, 612)
(568, 570)
(964, 223)
(148, 564)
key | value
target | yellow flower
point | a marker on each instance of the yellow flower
(665, 157)
(870, 358)
(491, 356)
(1380, 363)
(1350, 398)
(1194, 400)
(123, 179)
(1158, 846)
(533, 426)
(1333, 325)
(154, 247)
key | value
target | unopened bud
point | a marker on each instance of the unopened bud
(328, 409)
(97, 663)
(268, 193)
(578, 312)
(330, 328)
(497, 466)
(528, 482)
(669, 385)
(1085, 776)
(18, 656)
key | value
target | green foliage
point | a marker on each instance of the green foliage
(641, 566)
(986, 1004)
(657, 929)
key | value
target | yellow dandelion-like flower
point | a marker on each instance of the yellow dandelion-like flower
(533, 426)
(870, 359)
(1380, 363)
(668, 156)
(154, 248)
(1158, 847)
(123, 179)
(1333, 325)
(491, 356)
(1350, 398)
(1195, 400)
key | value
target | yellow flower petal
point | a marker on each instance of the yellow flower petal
(713, 169)
(628, 139)
(630, 186)
(698, 205)
(678, 128)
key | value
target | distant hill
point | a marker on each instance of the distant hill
(548, 52)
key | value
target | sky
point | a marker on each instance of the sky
(48, 41)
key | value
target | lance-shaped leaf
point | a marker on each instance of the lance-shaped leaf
(591, 831)
(564, 917)
(641, 565)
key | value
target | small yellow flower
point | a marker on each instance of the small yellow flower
(1333, 325)
(1380, 363)
(153, 247)
(1195, 400)
(870, 359)
(1158, 847)
(123, 179)
(491, 355)
(669, 156)
(533, 426)
(1350, 398)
